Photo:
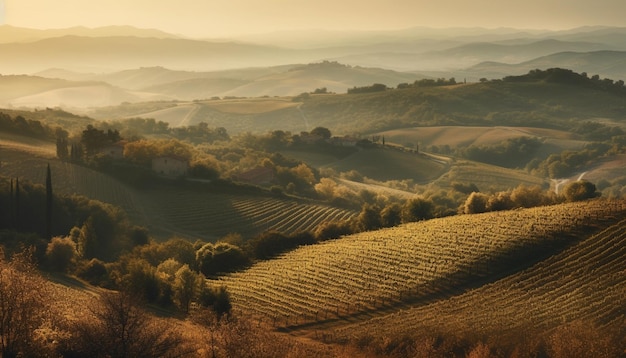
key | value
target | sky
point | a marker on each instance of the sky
(224, 18)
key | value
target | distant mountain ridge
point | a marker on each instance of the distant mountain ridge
(159, 83)
(12, 34)
(117, 48)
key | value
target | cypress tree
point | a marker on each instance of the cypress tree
(17, 204)
(11, 222)
(48, 203)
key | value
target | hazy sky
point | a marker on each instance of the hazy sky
(215, 18)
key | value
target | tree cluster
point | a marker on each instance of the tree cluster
(27, 127)
(376, 87)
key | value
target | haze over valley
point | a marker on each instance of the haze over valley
(312, 179)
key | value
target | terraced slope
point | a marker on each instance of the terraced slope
(586, 282)
(210, 215)
(377, 272)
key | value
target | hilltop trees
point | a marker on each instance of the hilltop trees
(93, 139)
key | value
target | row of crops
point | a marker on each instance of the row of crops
(415, 263)
(586, 282)
(212, 215)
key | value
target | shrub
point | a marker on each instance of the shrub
(220, 258)
(475, 203)
(120, 328)
(579, 190)
(333, 230)
(61, 253)
(94, 271)
(417, 209)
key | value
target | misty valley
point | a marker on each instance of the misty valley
(412, 193)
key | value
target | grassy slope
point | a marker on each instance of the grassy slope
(459, 136)
(377, 272)
(486, 177)
(389, 164)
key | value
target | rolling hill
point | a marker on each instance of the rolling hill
(441, 261)
(39, 92)
(584, 283)
(539, 101)
(172, 209)
(465, 55)
(158, 83)
(606, 64)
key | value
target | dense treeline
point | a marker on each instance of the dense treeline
(29, 127)
(102, 230)
(569, 77)
(96, 242)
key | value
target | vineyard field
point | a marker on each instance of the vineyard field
(210, 215)
(413, 265)
(586, 282)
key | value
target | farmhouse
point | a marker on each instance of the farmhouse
(170, 165)
(258, 176)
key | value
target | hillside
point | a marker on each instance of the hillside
(40, 92)
(84, 90)
(173, 209)
(606, 64)
(466, 55)
(379, 272)
(529, 101)
(585, 283)
(390, 164)
(540, 100)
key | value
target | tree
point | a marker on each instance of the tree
(120, 328)
(62, 151)
(88, 240)
(475, 203)
(369, 218)
(391, 215)
(22, 304)
(61, 253)
(17, 216)
(48, 203)
(322, 132)
(220, 257)
(417, 209)
(186, 287)
(579, 190)
(93, 139)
